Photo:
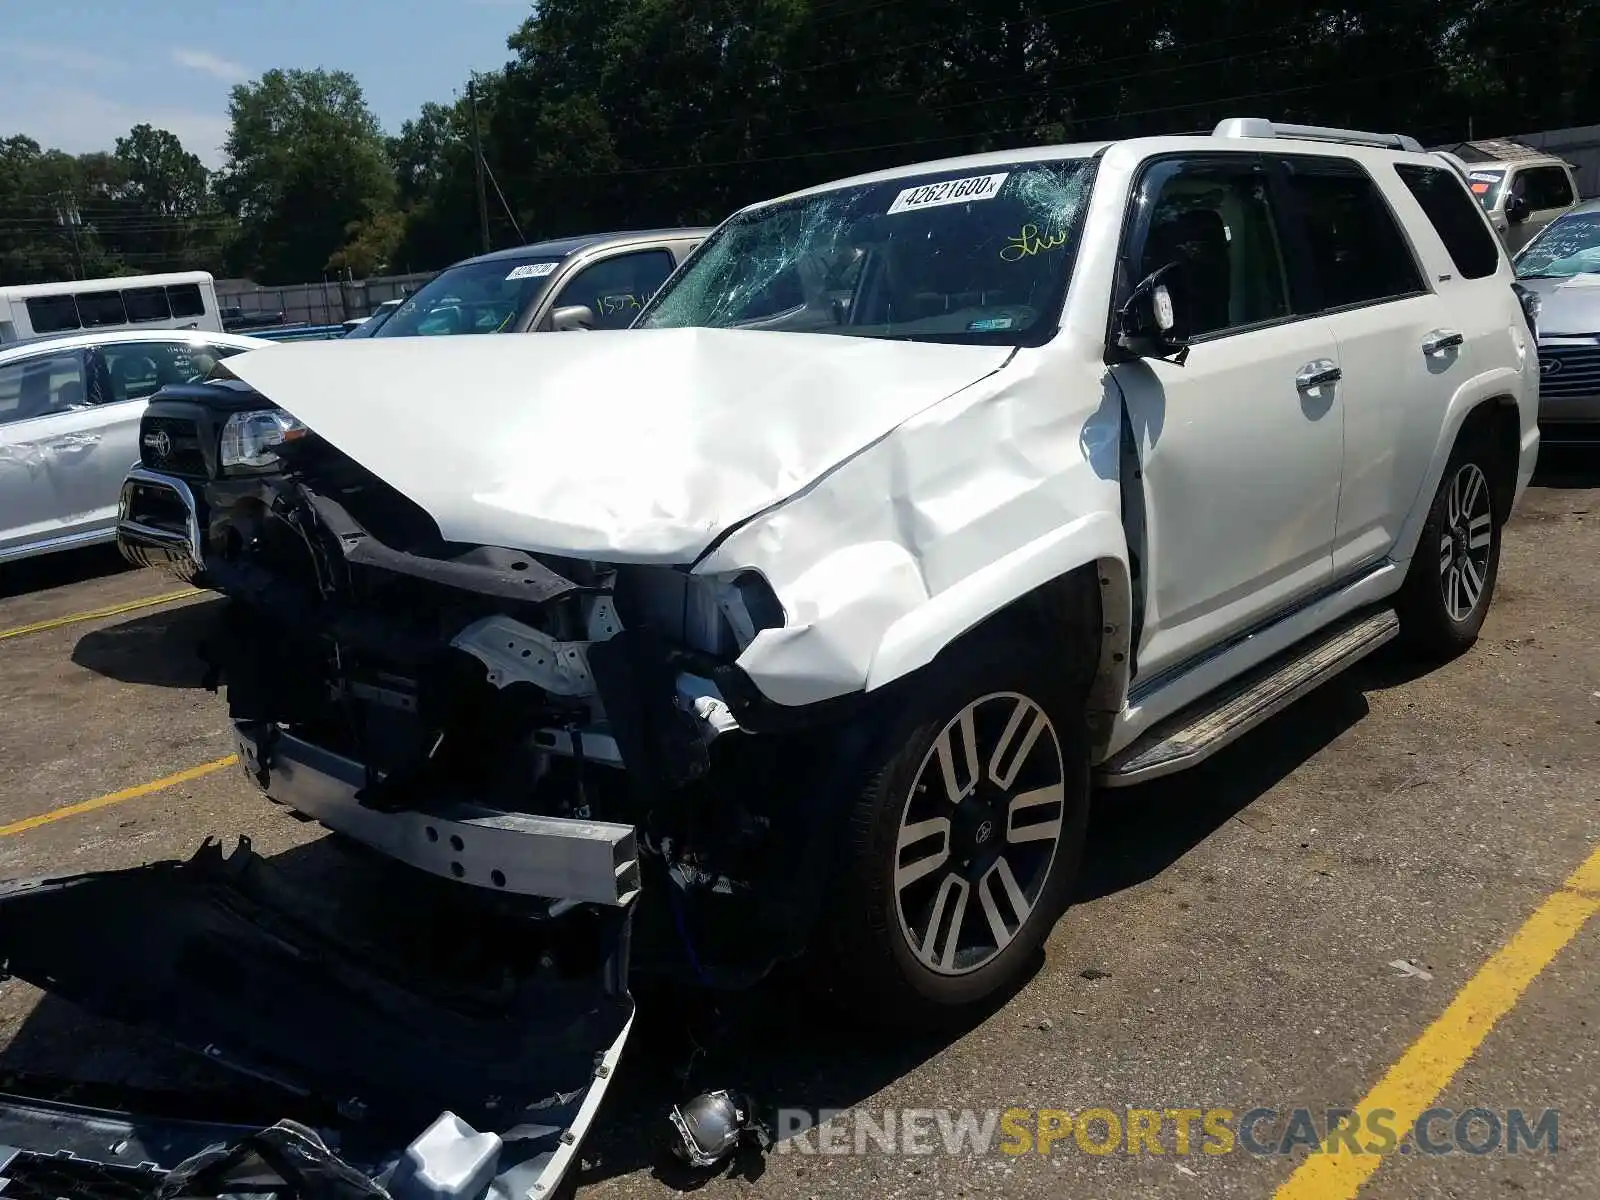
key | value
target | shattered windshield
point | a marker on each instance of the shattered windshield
(962, 256)
(1569, 246)
(472, 297)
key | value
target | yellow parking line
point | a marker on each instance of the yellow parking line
(133, 793)
(115, 610)
(1426, 1068)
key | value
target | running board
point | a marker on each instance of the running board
(1198, 732)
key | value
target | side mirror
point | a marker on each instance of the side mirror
(1517, 210)
(572, 316)
(1150, 324)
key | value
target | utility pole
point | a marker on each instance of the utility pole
(68, 217)
(477, 163)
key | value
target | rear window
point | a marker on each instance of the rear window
(186, 300)
(1361, 254)
(53, 314)
(101, 308)
(1460, 226)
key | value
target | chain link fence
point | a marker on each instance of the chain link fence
(326, 303)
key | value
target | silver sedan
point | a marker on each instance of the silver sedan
(1561, 266)
(69, 426)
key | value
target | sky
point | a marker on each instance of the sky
(77, 74)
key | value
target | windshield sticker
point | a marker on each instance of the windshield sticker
(989, 325)
(1486, 176)
(951, 191)
(1479, 189)
(532, 270)
(1028, 242)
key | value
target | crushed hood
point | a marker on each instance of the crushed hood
(622, 446)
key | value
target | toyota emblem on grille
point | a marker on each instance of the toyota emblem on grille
(1549, 366)
(159, 442)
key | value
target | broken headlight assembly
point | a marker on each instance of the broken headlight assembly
(250, 439)
(750, 605)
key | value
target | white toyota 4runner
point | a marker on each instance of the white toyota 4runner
(921, 500)
(802, 615)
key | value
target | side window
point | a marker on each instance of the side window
(1545, 187)
(101, 308)
(207, 356)
(186, 300)
(137, 370)
(1361, 255)
(615, 289)
(146, 304)
(53, 314)
(39, 387)
(1216, 220)
(1456, 218)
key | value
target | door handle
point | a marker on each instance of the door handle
(1318, 374)
(1442, 339)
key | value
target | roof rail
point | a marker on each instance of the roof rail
(1257, 127)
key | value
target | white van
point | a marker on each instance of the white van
(182, 300)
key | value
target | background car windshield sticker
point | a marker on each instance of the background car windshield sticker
(536, 270)
(989, 325)
(1483, 180)
(950, 191)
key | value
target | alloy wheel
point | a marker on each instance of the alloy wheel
(979, 832)
(1465, 542)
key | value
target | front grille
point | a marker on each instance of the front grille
(1569, 370)
(31, 1176)
(171, 444)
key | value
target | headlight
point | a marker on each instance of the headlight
(249, 438)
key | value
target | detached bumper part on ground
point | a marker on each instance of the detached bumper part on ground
(400, 999)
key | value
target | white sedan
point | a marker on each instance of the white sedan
(69, 426)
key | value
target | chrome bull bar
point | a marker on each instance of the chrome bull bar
(158, 524)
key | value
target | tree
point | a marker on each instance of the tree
(371, 246)
(305, 162)
(162, 178)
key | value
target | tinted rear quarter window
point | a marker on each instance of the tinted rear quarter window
(186, 300)
(1359, 251)
(1455, 217)
(52, 314)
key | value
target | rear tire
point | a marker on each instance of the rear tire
(1450, 584)
(964, 843)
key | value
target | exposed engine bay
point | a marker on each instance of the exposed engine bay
(499, 689)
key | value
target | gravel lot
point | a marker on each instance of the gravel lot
(1231, 947)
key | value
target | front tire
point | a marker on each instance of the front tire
(1450, 583)
(965, 841)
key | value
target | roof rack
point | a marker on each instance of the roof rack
(1257, 127)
